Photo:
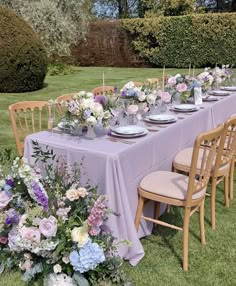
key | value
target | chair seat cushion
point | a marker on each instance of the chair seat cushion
(183, 158)
(168, 184)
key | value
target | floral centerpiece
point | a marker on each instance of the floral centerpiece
(52, 228)
(86, 110)
(206, 79)
(180, 86)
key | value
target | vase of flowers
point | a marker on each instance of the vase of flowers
(52, 228)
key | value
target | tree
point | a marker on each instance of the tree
(59, 23)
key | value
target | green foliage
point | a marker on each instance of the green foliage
(23, 60)
(199, 39)
(60, 69)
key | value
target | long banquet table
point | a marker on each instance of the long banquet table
(117, 168)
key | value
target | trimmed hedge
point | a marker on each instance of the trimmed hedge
(23, 59)
(199, 39)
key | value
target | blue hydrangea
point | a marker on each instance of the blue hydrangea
(88, 257)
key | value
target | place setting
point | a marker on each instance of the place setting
(219, 93)
(160, 118)
(228, 88)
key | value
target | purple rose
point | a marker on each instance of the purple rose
(102, 99)
(181, 87)
(12, 217)
(48, 226)
(5, 198)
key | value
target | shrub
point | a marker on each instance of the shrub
(199, 39)
(23, 60)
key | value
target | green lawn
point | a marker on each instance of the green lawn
(212, 264)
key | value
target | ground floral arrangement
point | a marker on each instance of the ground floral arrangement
(52, 228)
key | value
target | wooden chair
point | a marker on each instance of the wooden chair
(138, 83)
(63, 98)
(221, 169)
(181, 190)
(153, 80)
(28, 117)
(100, 89)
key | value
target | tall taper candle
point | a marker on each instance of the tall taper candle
(193, 70)
(189, 69)
(163, 79)
(103, 84)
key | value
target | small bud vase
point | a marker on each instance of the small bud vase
(90, 132)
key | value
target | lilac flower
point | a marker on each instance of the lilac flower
(10, 182)
(102, 99)
(123, 93)
(89, 256)
(12, 217)
(39, 194)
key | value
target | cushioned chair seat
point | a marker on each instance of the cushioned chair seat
(184, 157)
(168, 184)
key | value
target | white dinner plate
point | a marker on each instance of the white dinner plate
(130, 135)
(185, 107)
(209, 98)
(228, 88)
(129, 130)
(162, 118)
(220, 92)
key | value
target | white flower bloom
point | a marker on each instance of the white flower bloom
(129, 85)
(89, 95)
(80, 235)
(142, 96)
(96, 107)
(151, 99)
(91, 120)
(2, 183)
(57, 268)
(81, 93)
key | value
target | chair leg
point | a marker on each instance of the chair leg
(231, 179)
(213, 203)
(157, 210)
(201, 221)
(168, 208)
(226, 190)
(139, 212)
(185, 238)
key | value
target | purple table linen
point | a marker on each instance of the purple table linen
(117, 168)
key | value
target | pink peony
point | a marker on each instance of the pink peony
(48, 226)
(181, 87)
(5, 198)
(30, 233)
(132, 109)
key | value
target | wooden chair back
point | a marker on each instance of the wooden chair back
(63, 98)
(153, 80)
(28, 117)
(138, 83)
(205, 147)
(100, 90)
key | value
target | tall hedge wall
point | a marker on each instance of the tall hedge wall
(199, 39)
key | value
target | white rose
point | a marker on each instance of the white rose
(72, 195)
(81, 93)
(82, 192)
(129, 85)
(86, 102)
(106, 114)
(66, 259)
(142, 96)
(91, 120)
(89, 95)
(151, 99)
(57, 268)
(80, 235)
(96, 107)
(2, 183)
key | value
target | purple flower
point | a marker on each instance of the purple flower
(115, 89)
(10, 182)
(12, 217)
(102, 99)
(40, 195)
(5, 198)
(87, 113)
(123, 93)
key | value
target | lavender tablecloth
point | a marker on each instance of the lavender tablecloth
(117, 168)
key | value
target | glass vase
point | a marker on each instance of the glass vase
(90, 132)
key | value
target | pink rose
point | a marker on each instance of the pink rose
(30, 233)
(165, 96)
(5, 198)
(181, 87)
(48, 226)
(3, 240)
(27, 265)
(172, 81)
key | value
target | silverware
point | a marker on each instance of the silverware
(113, 139)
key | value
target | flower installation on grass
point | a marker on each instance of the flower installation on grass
(52, 228)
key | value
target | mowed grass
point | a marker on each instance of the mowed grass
(212, 264)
